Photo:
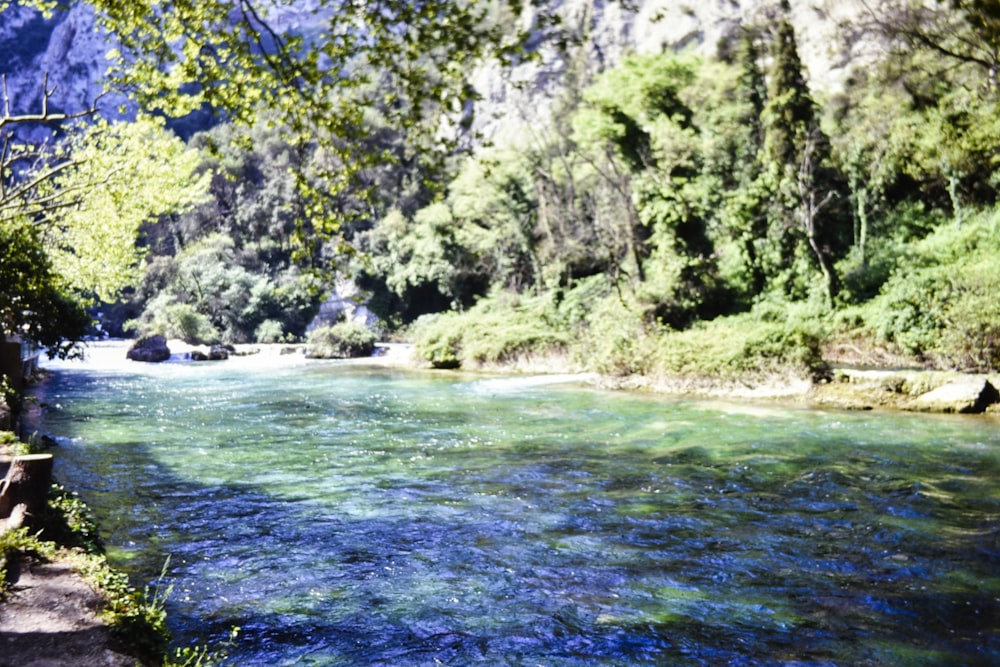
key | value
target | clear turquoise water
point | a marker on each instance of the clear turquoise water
(348, 515)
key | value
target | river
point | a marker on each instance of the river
(349, 514)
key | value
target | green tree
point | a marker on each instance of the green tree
(963, 36)
(205, 294)
(640, 115)
(408, 60)
(733, 104)
(35, 301)
(804, 220)
(615, 127)
(122, 175)
(494, 201)
(428, 261)
(84, 199)
(945, 56)
(790, 111)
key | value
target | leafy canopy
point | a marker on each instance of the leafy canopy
(123, 175)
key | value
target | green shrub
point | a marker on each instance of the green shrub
(573, 307)
(970, 339)
(67, 521)
(11, 445)
(270, 331)
(907, 313)
(186, 323)
(439, 339)
(495, 330)
(940, 304)
(616, 339)
(14, 544)
(175, 320)
(343, 340)
(863, 279)
(742, 348)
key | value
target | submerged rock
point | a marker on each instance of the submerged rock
(215, 353)
(970, 395)
(219, 352)
(151, 349)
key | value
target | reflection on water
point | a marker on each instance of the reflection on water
(343, 515)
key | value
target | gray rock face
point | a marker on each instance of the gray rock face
(970, 395)
(69, 49)
(514, 105)
(345, 302)
(72, 50)
(219, 353)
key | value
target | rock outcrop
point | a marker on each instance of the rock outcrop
(151, 349)
(971, 395)
(516, 105)
(347, 302)
(72, 49)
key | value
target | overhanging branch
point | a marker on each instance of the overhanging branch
(45, 117)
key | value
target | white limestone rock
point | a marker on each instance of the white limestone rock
(971, 395)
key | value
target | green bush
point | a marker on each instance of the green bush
(495, 330)
(344, 340)
(11, 445)
(971, 336)
(189, 325)
(270, 331)
(862, 280)
(940, 304)
(742, 348)
(14, 544)
(175, 320)
(616, 339)
(439, 339)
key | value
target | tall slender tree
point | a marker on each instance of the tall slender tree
(798, 155)
(746, 188)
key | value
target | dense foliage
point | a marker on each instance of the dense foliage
(716, 218)
(344, 340)
(675, 214)
(70, 214)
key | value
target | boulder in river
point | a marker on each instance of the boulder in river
(220, 352)
(150, 349)
(971, 395)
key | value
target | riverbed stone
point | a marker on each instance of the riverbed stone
(151, 349)
(219, 352)
(971, 395)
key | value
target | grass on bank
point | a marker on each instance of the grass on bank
(136, 618)
(934, 305)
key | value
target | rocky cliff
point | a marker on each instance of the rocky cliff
(71, 49)
(604, 32)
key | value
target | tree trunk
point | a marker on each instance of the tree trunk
(25, 489)
(830, 279)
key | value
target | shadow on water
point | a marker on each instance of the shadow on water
(674, 548)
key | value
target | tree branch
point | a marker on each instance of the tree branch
(45, 117)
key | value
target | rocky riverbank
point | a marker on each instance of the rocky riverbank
(845, 387)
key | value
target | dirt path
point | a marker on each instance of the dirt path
(50, 619)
